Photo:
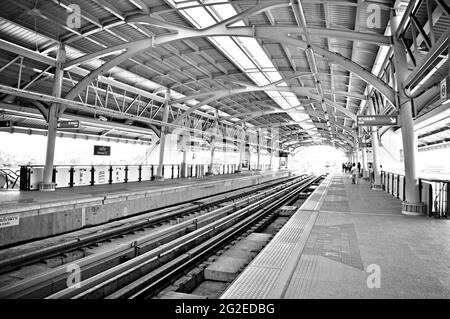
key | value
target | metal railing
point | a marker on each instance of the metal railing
(8, 178)
(434, 193)
(90, 175)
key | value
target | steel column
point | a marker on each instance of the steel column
(375, 151)
(47, 181)
(241, 148)
(164, 131)
(258, 150)
(409, 138)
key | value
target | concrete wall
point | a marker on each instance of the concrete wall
(37, 221)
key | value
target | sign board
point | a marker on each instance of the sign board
(375, 120)
(5, 123)
(7, 221)
(102, 150)
(444, 90)
(68, 124)
(282, 154)
(369, 144)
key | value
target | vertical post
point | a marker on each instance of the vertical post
(412, 204)
(47, 183)
(164, 132)
(364, 161)
(357, 151)
(258, 150)
(213, 146)
(375, 151)
(271, 158)
(183, 171)
(241, 148)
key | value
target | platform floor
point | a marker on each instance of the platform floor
(345, 238)
(23, 198)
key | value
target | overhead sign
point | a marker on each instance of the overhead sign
(68, 124)
(376, 120)
(5, 123)
(102, 150)
(369, 144)
(282, 154)
(444, 90)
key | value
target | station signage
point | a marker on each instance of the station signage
(444, 90)
(68, 124)
(376, 120)
(9, 220)
(282, 154)
(102, 150)
(369, 144)
(5, 123)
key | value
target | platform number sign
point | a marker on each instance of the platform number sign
(372, 120)
(444, 90)
(68, 124)
(102, 150)
(5, 123)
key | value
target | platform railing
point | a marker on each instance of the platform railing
(434, 193)
(221, 169)
(8, 178)
(90, 175)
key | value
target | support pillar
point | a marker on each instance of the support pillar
(271, 158)
(213, 148)
(47, 181)
(183, 172)
(364, 162)
(241, 149)
(376, 184)
(164, 132)
(412, 204)
(258, 150)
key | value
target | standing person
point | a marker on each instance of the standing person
(371, 174)
(354, 172)
(359, 169)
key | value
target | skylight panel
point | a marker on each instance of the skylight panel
(230, 48)
(199, 17)
(253, 49)
(248, 55)
(259, 78)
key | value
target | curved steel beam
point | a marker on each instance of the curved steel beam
(217, 95)
(81, 85)
(134, 48)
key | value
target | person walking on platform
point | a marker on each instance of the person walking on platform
(371, 174)
(355, 173)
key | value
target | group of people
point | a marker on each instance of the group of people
(354, 169)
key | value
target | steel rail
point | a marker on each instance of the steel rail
(143, 220)
(114, 278)
(147, 285)
(46, 283)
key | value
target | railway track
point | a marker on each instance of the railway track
(155, 248)
(129, 225)
(142, 276)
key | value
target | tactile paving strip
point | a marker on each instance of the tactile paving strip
(256, 285)
(275, 256)
(302, 280)
(269, 274)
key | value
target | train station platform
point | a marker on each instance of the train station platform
(32, 215)
(348, 241)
